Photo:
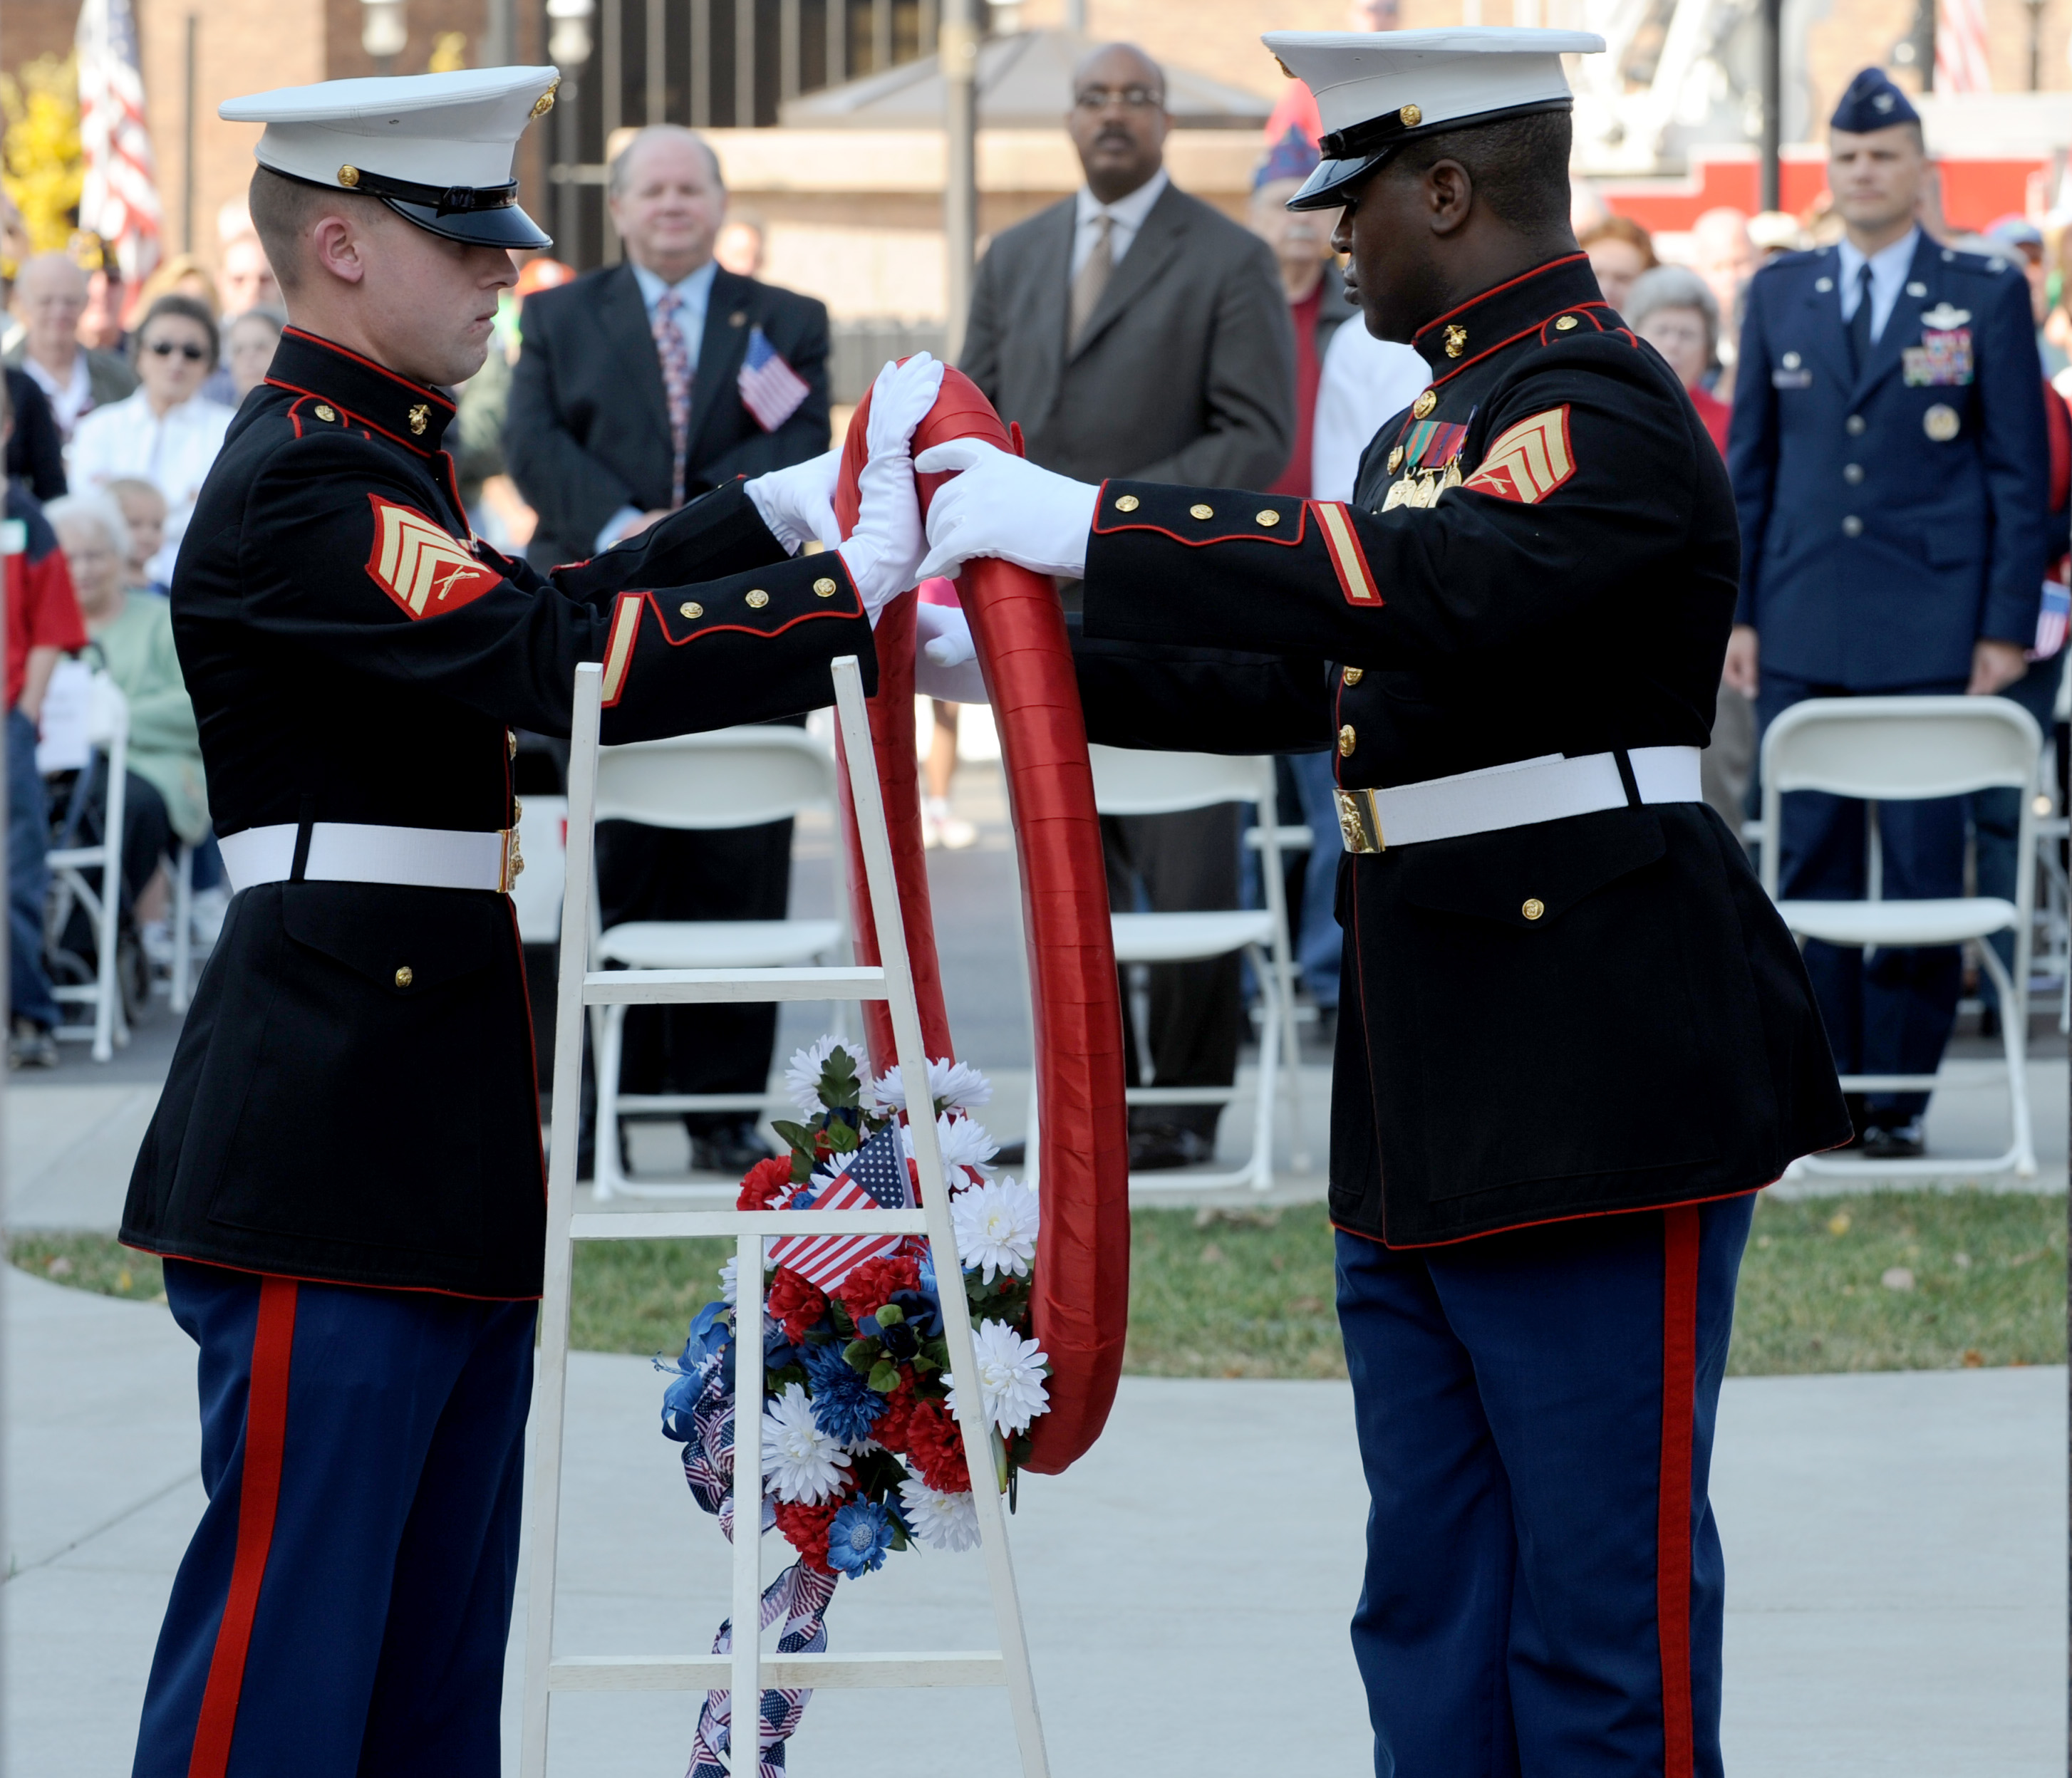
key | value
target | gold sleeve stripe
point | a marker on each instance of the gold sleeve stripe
(1355, 580)
(618, 652)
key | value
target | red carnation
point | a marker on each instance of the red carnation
(767, 1182)
(795, 1302)
(935, 1449)
(872, 1285)
(890, 1427)
(805, 1529)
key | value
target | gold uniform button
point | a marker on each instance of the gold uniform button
(405, 976)
(1347, 741)
(1534, 907)
(1395, 460)
(1352, 675)
(1267, 516)
(1410, 117)
(757, 598)
(691, 608)
(1424, 404)
(1198, 511)
(1128, 503)
(326, 412)
(825, 588)
(348, 177)
(1565, 324)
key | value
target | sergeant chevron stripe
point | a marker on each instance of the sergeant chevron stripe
(1528, 461)
(1342, 542)
(619, 649)
(424, 568)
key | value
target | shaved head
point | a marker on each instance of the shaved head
(285, 210)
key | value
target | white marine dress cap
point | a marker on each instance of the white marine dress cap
(1378, 89)
(437, 149)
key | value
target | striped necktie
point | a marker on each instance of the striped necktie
(677, 384)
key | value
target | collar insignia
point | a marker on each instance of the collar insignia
(1456, 340)
(420, 417)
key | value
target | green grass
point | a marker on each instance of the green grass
(1247, 1293)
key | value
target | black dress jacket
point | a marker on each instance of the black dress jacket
(353, 1097)
(587, 430)
(1540, 558)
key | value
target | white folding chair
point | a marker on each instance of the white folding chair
(1129, 781)
(108, 734)
(1897, 750)
(731, 777)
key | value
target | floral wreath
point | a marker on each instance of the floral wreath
(861, 1453)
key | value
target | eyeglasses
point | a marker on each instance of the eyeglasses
(165, 348)
(1130, 98)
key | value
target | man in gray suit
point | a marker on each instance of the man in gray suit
(1134, 330)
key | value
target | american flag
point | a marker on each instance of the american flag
(119, 201)
(876, 1175)
(770, 389)
(1961, 64)
(2053, 618)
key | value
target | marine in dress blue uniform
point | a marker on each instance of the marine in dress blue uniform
(1575, 1037)
(1891, 468)
(344, 1172)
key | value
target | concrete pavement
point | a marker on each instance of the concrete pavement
(1895, 1546)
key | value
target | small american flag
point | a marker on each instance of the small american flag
(770, 389)
(876, 1175)
(2052, 620)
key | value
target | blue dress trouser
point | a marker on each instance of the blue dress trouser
(29, 994)
(1544, 1586)
(343, 1610)
(1893, 1015)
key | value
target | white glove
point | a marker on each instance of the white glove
(798, 503)
(1002, 505)
(883, 553)
(945, 663)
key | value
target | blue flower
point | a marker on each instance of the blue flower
(710, 1329)
(680, 1401)
(844, 1406)
(859, 1538)
(923, 1314)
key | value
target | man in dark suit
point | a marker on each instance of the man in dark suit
(637, 388)
(1890, 465)
(1133, 330)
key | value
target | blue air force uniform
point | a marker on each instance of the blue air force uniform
(343, 1172)
(1893, 490)
(1576, 1037)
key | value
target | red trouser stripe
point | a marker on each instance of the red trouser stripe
(258, 1495)
(1672, 1566)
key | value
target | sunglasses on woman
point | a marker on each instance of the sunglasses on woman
(165, 348)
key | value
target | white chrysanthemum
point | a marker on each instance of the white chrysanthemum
(729, 1281)
(1010, 1375)
(951, 1084)
(966, 1146)
(995, 1226)
(799, 1461)
(802, 1074)
(939, 1521)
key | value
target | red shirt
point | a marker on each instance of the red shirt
(1714, 413)
(42, 610)
(1308, 371)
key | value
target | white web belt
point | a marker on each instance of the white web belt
(1547, 789)
(345, 851)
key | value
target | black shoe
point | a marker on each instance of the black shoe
(1157, 1147)
(1897, 1141)
(727, 1148)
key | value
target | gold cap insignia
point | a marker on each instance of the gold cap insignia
(1198, 511)
(1565, 324)
(1941, 423)
(824, 588)
(1456, 341)
(326, 412)
(1410, 117)
(1128, 503)
(348, 176)
(1424, 404)
(1267, 516)
(1395, 460)
(420, 417)
(690, 608)
(546, 102)
(757, 598)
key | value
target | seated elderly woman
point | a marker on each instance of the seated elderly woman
(132, 637)
(1675, 311)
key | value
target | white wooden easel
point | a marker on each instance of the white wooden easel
(747, 1671)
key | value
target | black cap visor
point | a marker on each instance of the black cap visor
(1337, 182)
(506, 226)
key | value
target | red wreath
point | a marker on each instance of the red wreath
(1082, 1287)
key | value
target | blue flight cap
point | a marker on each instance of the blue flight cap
(1294, 157)
(1872, 102)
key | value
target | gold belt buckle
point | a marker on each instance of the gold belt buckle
(1358, 823)
(514, 862)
